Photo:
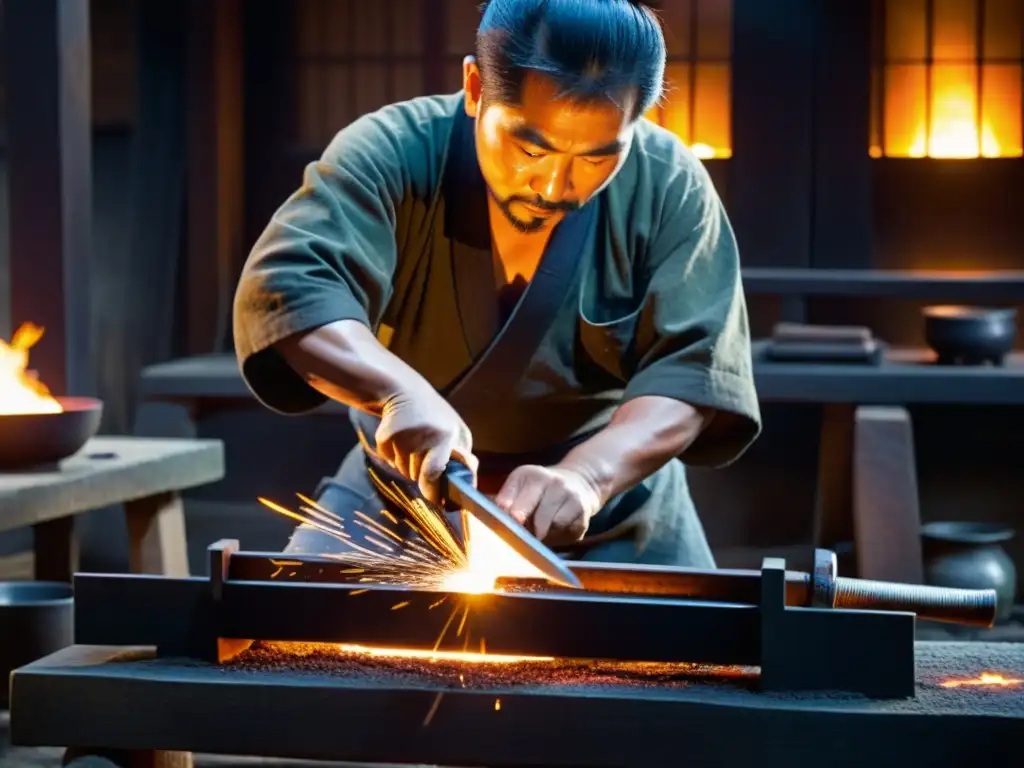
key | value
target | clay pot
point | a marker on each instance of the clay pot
(970, 556)
(36, 619)
(970, 335)
(42, 439)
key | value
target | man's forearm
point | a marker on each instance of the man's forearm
(344, 361)
(642, 436)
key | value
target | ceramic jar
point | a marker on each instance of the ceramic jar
(970, 556)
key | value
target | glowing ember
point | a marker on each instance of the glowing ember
(413, 653)
(20, 391)
(984, 679)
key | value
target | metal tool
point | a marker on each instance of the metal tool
(459, 493)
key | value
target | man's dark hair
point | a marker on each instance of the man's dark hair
(593, 49)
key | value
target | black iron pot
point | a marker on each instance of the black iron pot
(970, 556)
(36, 619)
(34, 439)
(970, 335)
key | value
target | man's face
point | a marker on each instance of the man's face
(548, 156)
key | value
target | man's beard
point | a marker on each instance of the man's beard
(533, 224)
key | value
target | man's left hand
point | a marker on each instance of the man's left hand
(556, 504)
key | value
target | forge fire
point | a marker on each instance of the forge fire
(481, 671)
(21, 392)
(485, 671)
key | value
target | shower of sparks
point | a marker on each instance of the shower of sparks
(379, 550)
(412, 545)
(418, 548)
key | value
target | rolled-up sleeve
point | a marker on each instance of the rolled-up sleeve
(692, 339)
(328, 254)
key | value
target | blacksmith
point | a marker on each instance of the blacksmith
(527, 275)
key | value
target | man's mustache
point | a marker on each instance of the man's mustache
(566, 206)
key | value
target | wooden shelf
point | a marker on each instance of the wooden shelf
(906, 377)
(1004, 286)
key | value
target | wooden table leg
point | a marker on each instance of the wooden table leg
(55, 549)
(867, 492)
(833, 514)
(886, 510)
(156, 535)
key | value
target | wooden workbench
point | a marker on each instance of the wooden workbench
(145, 475)
(121, 698)
(867, 481)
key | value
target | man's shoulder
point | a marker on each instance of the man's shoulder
(412, 134)
(659, 158)
(659, 173)
(428, 113)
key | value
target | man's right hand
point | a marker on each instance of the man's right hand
(419, 433)
(419, 430)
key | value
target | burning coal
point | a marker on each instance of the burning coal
(21, 392)
(984, 680)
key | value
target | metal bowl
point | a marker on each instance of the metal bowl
(970, 335)
(36, 619)
(33, 439)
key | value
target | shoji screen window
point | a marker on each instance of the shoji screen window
(947, 78)
(353, 57)
(698, 99)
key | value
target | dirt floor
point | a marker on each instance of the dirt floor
(18, 757)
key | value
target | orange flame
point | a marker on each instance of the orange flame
(20, 391)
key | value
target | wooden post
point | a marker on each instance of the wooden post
(772, 67)
(886, 510)
(50, 165)
(156, 535)
(833, 519)
(216, 142)
(843, 225)
(435, 45)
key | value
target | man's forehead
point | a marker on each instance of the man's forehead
(553, 121)
(540, 94)
(582, 141)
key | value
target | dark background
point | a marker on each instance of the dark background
(204, 113)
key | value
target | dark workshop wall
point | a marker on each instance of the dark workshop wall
(116, 277)
(794, 111)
